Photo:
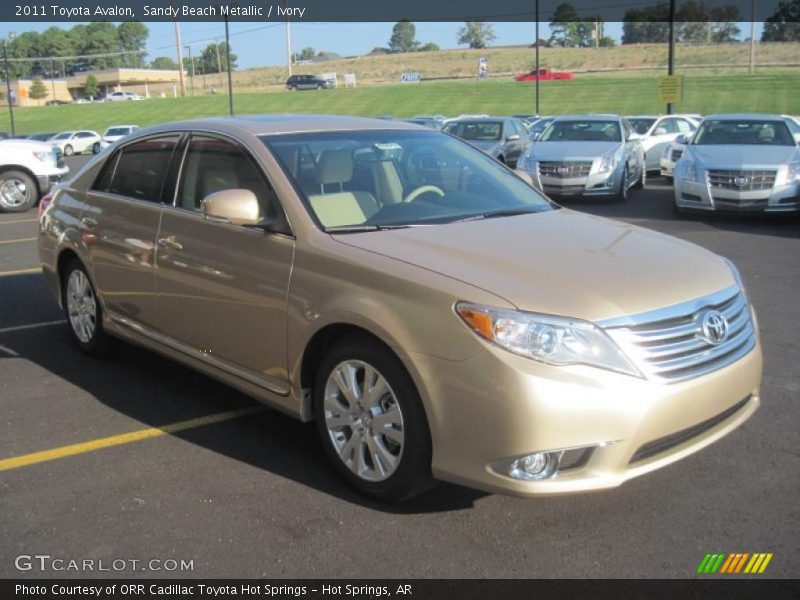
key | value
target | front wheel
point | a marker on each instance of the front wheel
(96, 148)
(641, 181)
(18, 191)
(371, 420)
(622, 193)
(82, 309)
(319, 86)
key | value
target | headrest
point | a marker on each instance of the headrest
(335, 166)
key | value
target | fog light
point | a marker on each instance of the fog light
(534, 466)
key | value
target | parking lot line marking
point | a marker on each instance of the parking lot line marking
(31, 326)
(25, 460)
(19, 241)
(20, 272)
(18, 221)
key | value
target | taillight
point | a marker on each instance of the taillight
(45, 202)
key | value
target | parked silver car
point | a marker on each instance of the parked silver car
(586, 155)
(503, 138)
(658, 131)
(745, 162)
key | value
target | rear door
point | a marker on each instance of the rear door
(120, 224)
(222, 288)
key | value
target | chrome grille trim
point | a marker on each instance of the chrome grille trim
(756, 180)
(575, 168)
(667, 344)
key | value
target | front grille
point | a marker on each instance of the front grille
(563, 190)
(676, 154)
(668, 345)
(740, 204)
(676, 439)
(743, 181)
(568, 168)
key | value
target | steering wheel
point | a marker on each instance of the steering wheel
(423, 189)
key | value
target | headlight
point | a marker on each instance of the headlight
(44, 156)
(793, 175)
(736, 275)
(552, 340)
(688, 170)
(607, 164)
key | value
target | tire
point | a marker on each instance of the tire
(68, 150)
(82, 309)
(18, 191)
(96, 148)
(642, 180)
(502, 159)
(348, 430)
(622, 193)
(292, 88)
(319, 86)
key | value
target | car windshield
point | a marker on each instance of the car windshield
(373, 179)
(118, 131)
(745, 132)
(582, 131)
(540, 125)
(475, 130)
(63, 136)
(641, 125)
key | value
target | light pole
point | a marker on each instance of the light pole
(671, 52)
(11, 36)
(191, 62)
(228, 61)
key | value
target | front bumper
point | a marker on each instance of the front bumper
(517, 406)
(48, 180)
(701, 196)
(594, 185)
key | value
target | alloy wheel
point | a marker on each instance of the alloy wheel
(81, 306)
(14, 193)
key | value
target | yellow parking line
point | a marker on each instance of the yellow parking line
(18, 221)
(125, 438)
(19, 241)
(20, 272)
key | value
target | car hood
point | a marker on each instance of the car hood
(572, 150)
(113, 138)
(732, 156)
(485, 145)
(559, 262)
(25, 146)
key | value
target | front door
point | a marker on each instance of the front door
(222, 288)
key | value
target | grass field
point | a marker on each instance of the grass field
(775, 93)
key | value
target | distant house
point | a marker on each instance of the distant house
(378, 50)
(325, 57)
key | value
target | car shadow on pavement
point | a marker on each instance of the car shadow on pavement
(157, 391)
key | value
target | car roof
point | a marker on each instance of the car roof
(745, 116)
(272, 124)
(593, 117)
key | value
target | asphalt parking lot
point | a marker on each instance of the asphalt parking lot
(251, 495)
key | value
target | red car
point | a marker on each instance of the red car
(545, 74)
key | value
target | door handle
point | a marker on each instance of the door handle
(89, 223)
(170, 242)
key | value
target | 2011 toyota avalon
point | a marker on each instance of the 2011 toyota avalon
(435, 315)
(740, 163)
(589, 156)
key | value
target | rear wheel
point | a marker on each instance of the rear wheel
(69, 150)
(96, 148)
(18, 191)
(319, 86)
(82, 308)
(371, 420)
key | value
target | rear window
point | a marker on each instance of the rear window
(138, 170)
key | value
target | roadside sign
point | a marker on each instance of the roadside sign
(349, 80)
(670, 88)
(411, 77)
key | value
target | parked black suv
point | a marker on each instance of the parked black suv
(307, 82)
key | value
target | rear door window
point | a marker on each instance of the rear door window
(138, 170)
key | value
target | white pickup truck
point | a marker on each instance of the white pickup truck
(27, 170)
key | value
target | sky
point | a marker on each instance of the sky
(258, 44)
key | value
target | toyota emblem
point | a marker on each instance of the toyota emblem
(715, 327)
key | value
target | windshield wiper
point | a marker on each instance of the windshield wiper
(362, 228)
(492, 214)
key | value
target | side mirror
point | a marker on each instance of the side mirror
(634, 136)
(682, 139)
(235, 206)
(797, 137)
(660, 131)
(536, 135)
(512, 138)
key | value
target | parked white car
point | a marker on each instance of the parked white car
(672, 154)
(75, 142)
(658, 131)
(118, 96)
(741, 163)
(27, 170)
(112, 134)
